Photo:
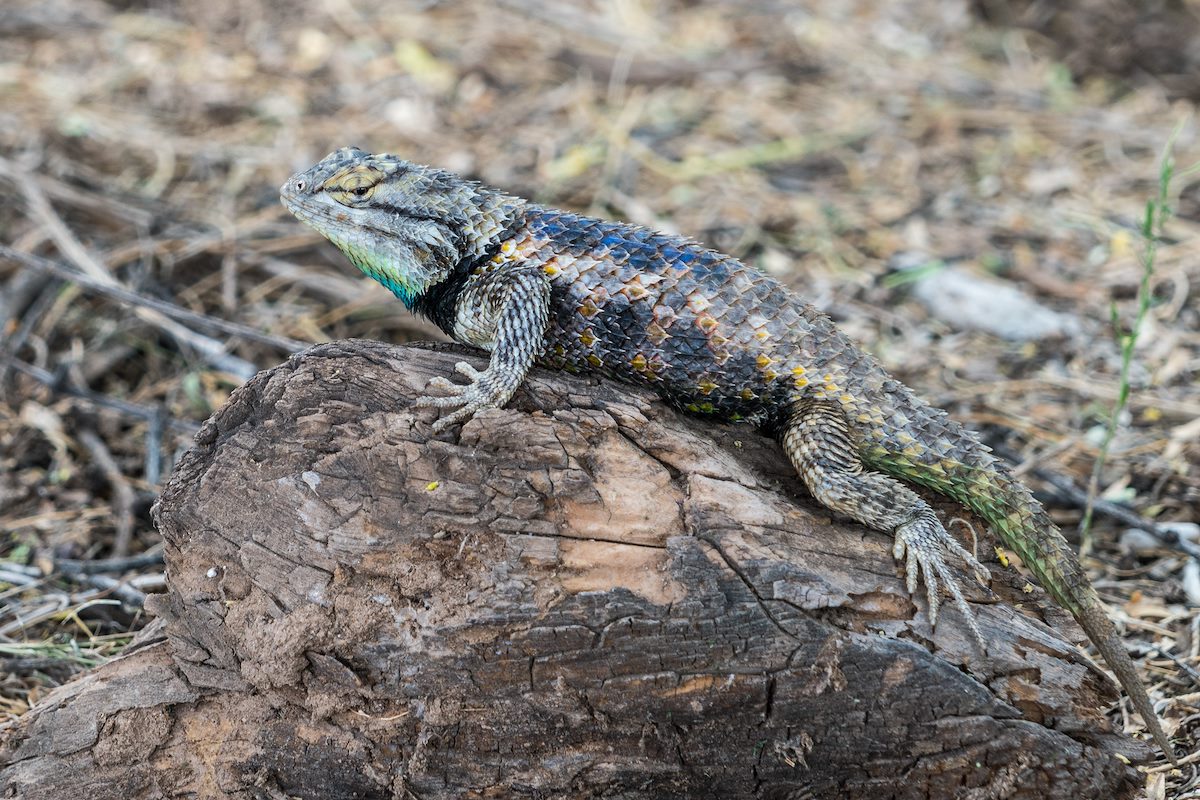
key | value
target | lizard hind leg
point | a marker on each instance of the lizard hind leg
(817, 441)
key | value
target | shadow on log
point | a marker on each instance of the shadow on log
(583, 595)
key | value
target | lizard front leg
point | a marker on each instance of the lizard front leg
(505, 311)
(816, 440)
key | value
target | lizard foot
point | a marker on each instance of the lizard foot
(923, 545)
(482, 392)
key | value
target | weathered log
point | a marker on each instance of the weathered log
(582, 595)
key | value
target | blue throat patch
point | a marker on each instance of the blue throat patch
(406, 293)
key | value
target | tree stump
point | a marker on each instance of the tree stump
(583, 595)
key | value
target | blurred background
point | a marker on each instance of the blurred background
(961, 184)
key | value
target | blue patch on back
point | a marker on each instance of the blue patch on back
(641, 248)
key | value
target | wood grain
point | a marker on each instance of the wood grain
(582, 595)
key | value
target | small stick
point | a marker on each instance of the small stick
(123, 295)
(55, 383)
(151, 558)
(73, 250)
(123, 496)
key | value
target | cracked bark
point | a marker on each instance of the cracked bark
(582, 595)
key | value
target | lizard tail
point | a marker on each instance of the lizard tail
(1023, 525)
(960, 467)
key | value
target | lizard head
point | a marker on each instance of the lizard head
(405, 225)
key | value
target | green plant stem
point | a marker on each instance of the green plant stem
(1153, 223)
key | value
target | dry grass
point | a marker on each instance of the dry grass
(829, 143)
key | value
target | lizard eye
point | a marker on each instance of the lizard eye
(354, 186)
(358, 186)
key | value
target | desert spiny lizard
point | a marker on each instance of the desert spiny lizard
(534, 285)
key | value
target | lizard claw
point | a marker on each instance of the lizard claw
(922, 544)
(467, 398)
(463, 368)
(453, 390)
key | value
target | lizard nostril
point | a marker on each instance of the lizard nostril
(299, 185)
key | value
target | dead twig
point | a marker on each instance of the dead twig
(33, 315)
(213, 351)
(59, 384)
(1079, 496)
(120, 294)
(150, 558)
(122, 492)
(112, 587)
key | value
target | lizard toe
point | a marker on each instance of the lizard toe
(926, 544)
(446, 385)
(466, 399)
(430, 401)
(461, 415)
(463, 368)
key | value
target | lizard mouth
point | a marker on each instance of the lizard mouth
(303, 204)
(312, 209)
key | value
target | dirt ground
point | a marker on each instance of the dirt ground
(961, 185)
